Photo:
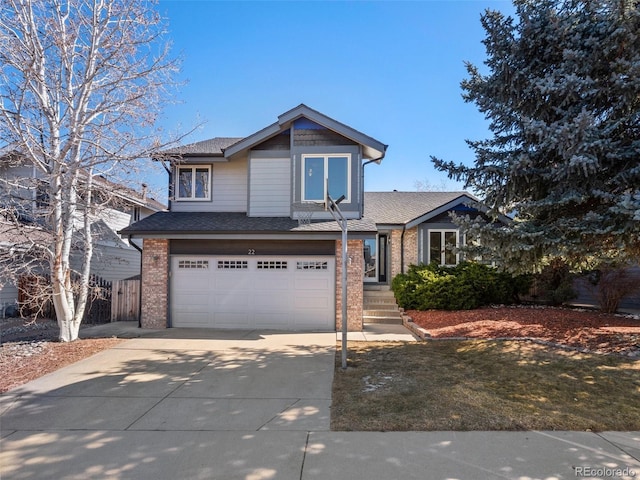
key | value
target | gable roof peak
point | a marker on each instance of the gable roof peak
(372, 148)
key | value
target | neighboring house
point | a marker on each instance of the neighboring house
(23, 196)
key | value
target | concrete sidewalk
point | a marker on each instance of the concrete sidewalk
(202, 404)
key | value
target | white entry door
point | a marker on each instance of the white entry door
(246, 292)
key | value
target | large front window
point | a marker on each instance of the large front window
(443, 247)
(325, 174)
(194, 183)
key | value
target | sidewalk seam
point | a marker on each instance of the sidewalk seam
(617, 446)
(161, 399)
(295, 400)
(304, 454)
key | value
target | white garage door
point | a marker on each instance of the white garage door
(288, 293)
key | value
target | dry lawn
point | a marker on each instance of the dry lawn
(483, 385)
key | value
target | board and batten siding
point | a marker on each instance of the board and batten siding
(270, 187)
(228, 190)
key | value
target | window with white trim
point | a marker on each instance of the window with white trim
(330, 172)
(193, 182)
(443, 247)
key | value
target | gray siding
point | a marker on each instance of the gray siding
(270, 187)
(228, 190)
(115, 262)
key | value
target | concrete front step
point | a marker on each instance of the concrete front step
(380, 305)
(390, 320)
(376, 288)
(378, 293)
(386, 308)
(376, 312)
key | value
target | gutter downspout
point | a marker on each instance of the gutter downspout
(404, 228)
(374, 160)
(140, 291)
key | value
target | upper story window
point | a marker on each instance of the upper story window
(326, 172)
(194, 183)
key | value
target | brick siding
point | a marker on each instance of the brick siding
(355, 276)
(410, 250)
(155, 284)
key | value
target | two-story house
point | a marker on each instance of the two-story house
(24, 206)
(247, 244)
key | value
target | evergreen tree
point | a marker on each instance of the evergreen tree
(562, 94)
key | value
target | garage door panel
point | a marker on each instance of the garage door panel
(235, 282)
(272, 320)
(194, 320)
(306, 301)
(253, 292)
(271, 301)
(313, 284)
(231, 320)
(229, 301)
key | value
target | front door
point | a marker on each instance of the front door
(375, 259)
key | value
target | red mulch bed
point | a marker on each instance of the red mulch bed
(576, 328)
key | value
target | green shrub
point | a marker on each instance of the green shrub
(468, 285)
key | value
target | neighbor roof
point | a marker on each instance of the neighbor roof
(213, 147)
(403, 208)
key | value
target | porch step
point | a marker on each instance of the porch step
(368, 287)
(391, 320)
(379, 305)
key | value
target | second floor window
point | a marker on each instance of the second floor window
(324, 174)
(194, 183)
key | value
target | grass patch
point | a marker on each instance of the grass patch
(483, 385)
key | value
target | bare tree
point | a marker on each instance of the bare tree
(81, 84)
(427, 186)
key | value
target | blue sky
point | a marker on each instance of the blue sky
(390, 69)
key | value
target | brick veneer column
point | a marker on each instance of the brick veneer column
(355, 278)
(410, 250)
(155, 284)
(410, 247)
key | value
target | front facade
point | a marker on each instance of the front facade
(247, 241)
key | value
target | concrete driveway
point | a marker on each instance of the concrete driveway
(189, 404)
(170, 402)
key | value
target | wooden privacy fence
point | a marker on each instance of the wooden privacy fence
(34, 298)
(125, 300)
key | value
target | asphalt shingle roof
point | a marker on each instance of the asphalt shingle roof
(223, 222)
(210, 147)
(399, 208)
